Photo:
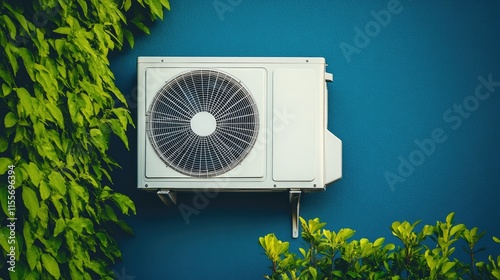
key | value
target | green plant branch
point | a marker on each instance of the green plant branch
(335, 258)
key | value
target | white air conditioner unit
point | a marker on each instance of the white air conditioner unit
(235, 124)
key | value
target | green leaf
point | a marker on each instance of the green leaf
(3, 200)
(130, 37)
(25, 101)
(4, 233)
(70, 160)
(28, 61)
(124, 202)
(20, 134)
(389, 247)
(34, 173)
(110, 213)
(119, 130)
(57, 203)
(56, 113)
(85, 103)
(101, 36)
(51, 265)
(127, 4)
(39, 129)
(156, 9)
(338, 273)
(165, 4)
(10, 120)
(457, 229)
(60, 226)
(97, 267)
(75, 272)
(44, 190)
(72, 106)
(83, 4)
(379, 242)
(41, 43)
(29, 239)
(43, 215)
(48, 151)
(79, 224)
(141, 26)
(22, 20)
(44, 78)
(103, 238)
(4, 165)
(61, 70)
(10, 26)
(6, 90)
(314, 272)
(98, 139)
(30, 200)
(123, 115)
(4, 144)
(80, 191)
(7, 76)
(449, 218)
(447, 266)
(303, 252)
(62, 30)
(55, 138)
(59, 46)
(90, 180)
(58, 181)
(33, 256)
(496, 239)
(10, 51)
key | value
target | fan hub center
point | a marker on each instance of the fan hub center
(203, 123)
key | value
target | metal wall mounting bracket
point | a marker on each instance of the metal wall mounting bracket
(168, 197)
(294, 196)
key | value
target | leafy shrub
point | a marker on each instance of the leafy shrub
(333, 255)
(59, 107)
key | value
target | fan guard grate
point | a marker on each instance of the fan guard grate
(203, 123)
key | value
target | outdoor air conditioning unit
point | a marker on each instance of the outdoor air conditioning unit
(235, 124)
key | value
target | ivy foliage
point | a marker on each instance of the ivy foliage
(333, 255)
(59, 107)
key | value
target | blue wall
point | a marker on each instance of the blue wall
(406, 80)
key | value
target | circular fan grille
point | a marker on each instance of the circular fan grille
(202, 123)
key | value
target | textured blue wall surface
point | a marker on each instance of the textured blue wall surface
(404, 97)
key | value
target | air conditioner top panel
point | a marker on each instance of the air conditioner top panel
(256, 60)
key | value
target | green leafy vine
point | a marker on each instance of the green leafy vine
(59, 107)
